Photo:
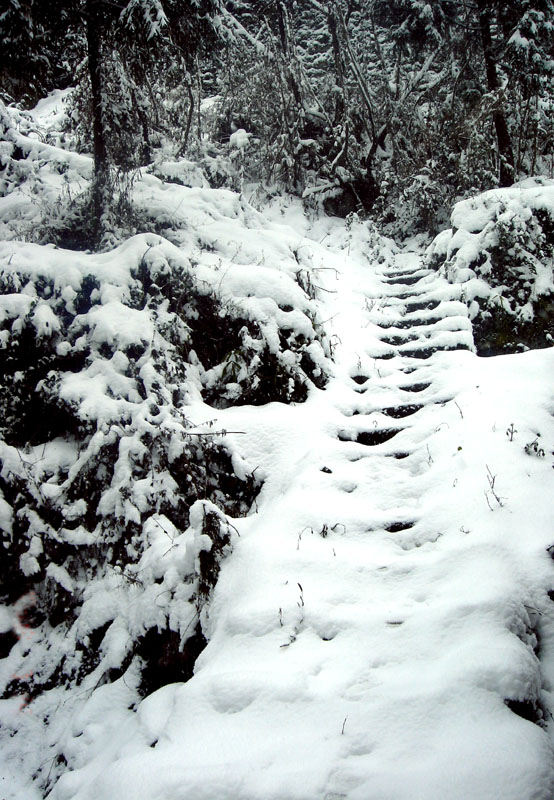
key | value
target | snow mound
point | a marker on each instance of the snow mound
(501, 247)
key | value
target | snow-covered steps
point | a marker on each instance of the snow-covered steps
(382, 629)
(420, 316)
(404, 279)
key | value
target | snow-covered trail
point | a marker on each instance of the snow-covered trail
(383, 628)
(374, 634)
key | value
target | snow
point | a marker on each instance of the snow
(183, 172)
(382, 610)
(498, 246)
(49, 112)
(345, 660)
(472, 215)
(410, 640)
(240, 139)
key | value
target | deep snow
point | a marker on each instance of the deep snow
(384, 612)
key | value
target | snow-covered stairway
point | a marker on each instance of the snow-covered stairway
(417, 315)
(373, 634)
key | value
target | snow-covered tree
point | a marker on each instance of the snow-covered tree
(40, 45)
(135, 56)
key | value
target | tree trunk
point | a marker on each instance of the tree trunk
(188, 125)
(339, 67)
(286, 47)
(293, 113)
(505, 151)
(94, 27)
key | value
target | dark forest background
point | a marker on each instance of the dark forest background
(394, 108)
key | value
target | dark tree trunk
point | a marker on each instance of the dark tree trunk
(94, 26)
(188, 125)
(505, 151)
(283, 22)
(339, 66)
(293, 113)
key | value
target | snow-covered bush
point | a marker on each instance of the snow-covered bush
(114, 490)
(97, 448)
(408, 208)
(501, 246)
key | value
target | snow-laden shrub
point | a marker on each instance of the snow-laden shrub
(256, 339)
(115, 503)
(114, 500)
(96, 442)
(413, 206)
(43, 187)
(501, 247)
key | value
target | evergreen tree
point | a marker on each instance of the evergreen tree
(372, 101)
(485, 11)
(36, 56)
(528, 60)
(134, 56)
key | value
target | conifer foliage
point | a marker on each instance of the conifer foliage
(403, 105)
(36, 55)
(389, 108)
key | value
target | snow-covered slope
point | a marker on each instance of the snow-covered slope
(383, 628)
(379, 624)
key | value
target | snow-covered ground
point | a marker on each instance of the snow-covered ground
(384, 601)
(382, 629)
